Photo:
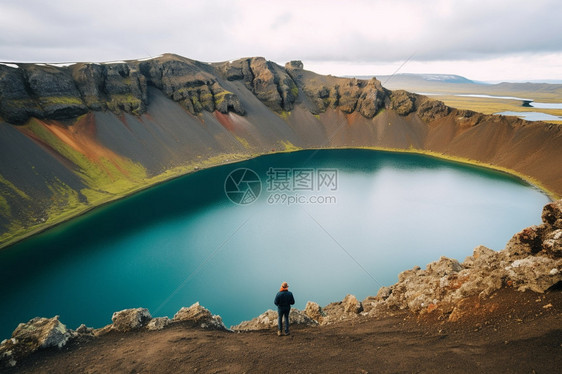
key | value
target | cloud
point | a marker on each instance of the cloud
(358, 31)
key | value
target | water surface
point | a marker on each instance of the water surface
(185, 241)
(532, 116)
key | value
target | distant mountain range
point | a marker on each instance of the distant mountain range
(450, 83)
(417, 78)
(411, 78)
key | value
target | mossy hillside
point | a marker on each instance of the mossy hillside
(220, 97)
(289, 147)
(24, 219)
(60, 100)
(69, 203)
(101, 174)
(11, 187)
(294, 90)
(87, 170)
(244, 142)
(127, 103)
(5, 209)
(284, 114)
(9, 191)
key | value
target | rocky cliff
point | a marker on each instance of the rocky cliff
(73, 137)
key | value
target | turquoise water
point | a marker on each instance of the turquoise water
(349, 222)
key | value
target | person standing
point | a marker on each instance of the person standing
(284, 299)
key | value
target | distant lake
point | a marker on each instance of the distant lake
(546, 105)
(532, 116)
(329, 222)
(529, 102)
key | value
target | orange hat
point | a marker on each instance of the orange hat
(284, 285)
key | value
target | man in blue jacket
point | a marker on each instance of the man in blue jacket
(284, 299)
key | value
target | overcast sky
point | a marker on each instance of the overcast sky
(490, 40)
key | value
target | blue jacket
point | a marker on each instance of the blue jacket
(284, 300)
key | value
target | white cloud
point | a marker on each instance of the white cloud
(439, 33)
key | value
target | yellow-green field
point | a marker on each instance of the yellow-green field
(491, 106)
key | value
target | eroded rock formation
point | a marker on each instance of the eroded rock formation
(200, 316)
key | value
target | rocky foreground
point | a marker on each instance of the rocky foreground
(447, 292)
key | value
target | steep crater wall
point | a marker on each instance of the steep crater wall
(73, 137)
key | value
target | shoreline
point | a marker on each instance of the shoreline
(181, 171)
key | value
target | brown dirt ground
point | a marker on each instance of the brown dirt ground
(510, 332)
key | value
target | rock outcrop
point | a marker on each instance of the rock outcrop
(158, 323)
(314, 311)
(130, 319)
(53, 92)
(268, 320)
(531, 260)
(348, 308)
(38, 333)
(41, 333)
(200, 316)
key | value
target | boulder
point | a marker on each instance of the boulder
(200, 316)
(84, 330)
(348, 308)
(552, 243)
(444, 267)
(42, 333)
(130, 319)
(552, 214)
(482, 252)
(29, 337)
(430, 110)
(264, 321)
(402, 102)
(383, 293)
(268, 320)
(294, 65)
(349, 95)
(535, 273)
(351, 304)
(527, 241)
(314, 311)
(369, 303)
(158, 323)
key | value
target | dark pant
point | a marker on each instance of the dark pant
(283, 313)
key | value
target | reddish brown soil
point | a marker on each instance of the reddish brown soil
(511, 332)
